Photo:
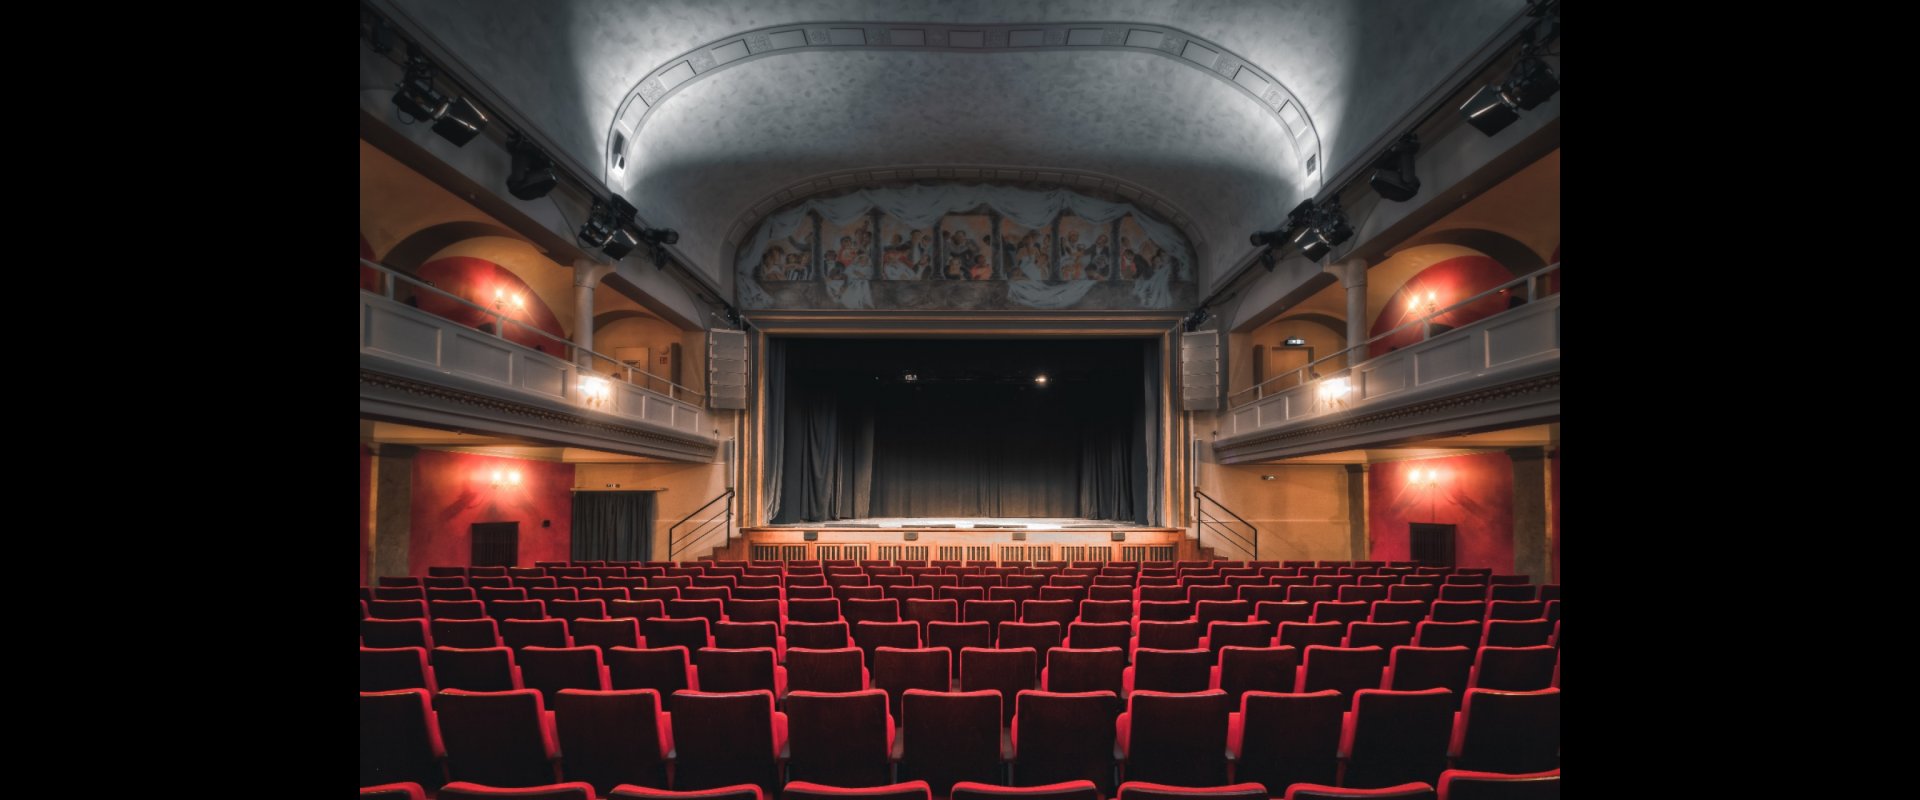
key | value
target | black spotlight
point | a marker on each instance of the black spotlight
(457, 120)
(1493, 108)
(1274, 239)
(1271, 239)
(660, 235)
(620, 243)
(1328, 230)
(599, 227)
(1393, 176)
(533, 176)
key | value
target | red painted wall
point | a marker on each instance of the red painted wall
(451, 491)
(1449, 281)
(1475, 494)
(1556, 514)
(366, 520)
(476, 280)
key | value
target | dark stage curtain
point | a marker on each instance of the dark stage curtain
(855, 449)
(612, 526)
(776, 438)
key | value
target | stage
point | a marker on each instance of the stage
(964, 539)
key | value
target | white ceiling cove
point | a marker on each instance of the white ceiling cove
(1215, 106)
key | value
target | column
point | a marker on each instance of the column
(587, 274)
(1353, 276)
(1359, 548)
(1532, 552)
(392, 510)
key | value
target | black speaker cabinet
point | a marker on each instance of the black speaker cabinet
(1019, 536)
(913, 536)
(1119, 536)
(810, 536)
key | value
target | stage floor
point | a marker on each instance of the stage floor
(971, 523)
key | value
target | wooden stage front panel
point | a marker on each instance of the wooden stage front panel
(961, 544)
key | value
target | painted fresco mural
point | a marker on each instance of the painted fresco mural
(965, 247)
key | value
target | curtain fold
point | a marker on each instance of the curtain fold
(775, 441)
(612, 526)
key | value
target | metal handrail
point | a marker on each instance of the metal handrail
(1250, 544)
(674, 389)
(1306, 372)
(699, 531)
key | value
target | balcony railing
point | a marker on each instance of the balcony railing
(1505, 342)
(393, 327)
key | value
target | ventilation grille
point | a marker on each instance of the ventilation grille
(903, 552)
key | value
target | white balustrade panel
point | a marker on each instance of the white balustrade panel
(401, 333)
(1478, 354)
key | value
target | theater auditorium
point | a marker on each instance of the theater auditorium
(999, 400)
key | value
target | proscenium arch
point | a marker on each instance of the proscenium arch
(1178, 46)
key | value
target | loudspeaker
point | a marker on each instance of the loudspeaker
(727, 369)
(913, 536)
(1019, 536)
(1200, 371)
(809, 536)
(1119, 536)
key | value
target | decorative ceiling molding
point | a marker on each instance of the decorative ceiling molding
(846, 180)
(1179, 46)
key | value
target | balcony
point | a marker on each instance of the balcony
(421, 367)
(1497, 371)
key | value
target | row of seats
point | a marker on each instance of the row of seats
(807, 563)
(1008, 671)
(1455, 784)
(701, 740)
(699, 569)
(1464, 583)
(695, 632)
(945, 586)
(954, 610)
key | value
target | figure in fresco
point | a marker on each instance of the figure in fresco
(982, 269)
(1152, 291)
(954, 271)
(1028, 264)
(796, 267)
(773, 265)
(1129, 261)
(1100, 267)
(896, 261)
(921, 256)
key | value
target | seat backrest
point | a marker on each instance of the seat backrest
(754, 611)
(1289, 738)
(898, 669)
(1186, 670)
(1414, 668)
(877, 610)
(1147, 790)
(1384, 635)
(395, 633)
(384, 669)
(397, 609)
(742, 635)
(482, 669)
(950, 737)
(550, 669)
(825, 609)
(1307, 634)
(827, 635)
(1511, 732)
(1514, 669)
(612, 737)
(636, 608)
(1063, 790)
(841, 739)
(1065, 736)
(519, 633)
(1430, 633)
(735, 670)
(826, 670)
(1007, 671)
(1399, 737)
(1168, 635)
(497, 738)
(605, 633)
(1238, 634)
(1093, 635)
(1459, 784)
(1071, 669)
(724, 738)
(399, 738)
(1061, 611)
(668, 632)
(1265, 669)
(1414, 611)
(1345, 669)
(1179, 739)
(662, 669)
(1518, 633)
(1283, 611)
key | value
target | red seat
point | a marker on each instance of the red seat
(1167, 635)
(457, 609)
(503, 610)
(1168, 671)
(1518, 633)
(606, 633)
(1094, 635)
(1412, 611)
(399, 593)
(742, 670)
(393, 791)
(485, 669)
(1207, 612)
(1060, 611)
(397, 609)
(1514, 669)
(1041, 637)
(522, 633)
(1465, 634)
(395, 633)
(1008, 672)
(502, 739)
(953, 636)
(1406, 791)
(744, 635)
(384, 669)
(613, 737)
(1070, 669)
(818, 635)
(1458, 784)
(1293, 611)
(1237, 634)
(910, 790)
(842, 739)
(1067, 737)
(1283, 738)
(400, 739)
(722, 739)
(1391, 738)
(898, 669)
(708, 609)
(1363, 594)
(551, 594)
(922, 612)
(637, 609)
(1247, 669)
(826, 670)
(571, 790)
(949, 737)
(1178, 739)
(550, 669)
(667, 632)
(1384, 635)
(1457, 611)
(869, 635)
(1307, 634)
(1097, 611)
(859, 610)
(1343, 669)
(1415, 668)
(1065, 790)
(1509, 732)
(1145, 790)
(577, 609)
(663, 669)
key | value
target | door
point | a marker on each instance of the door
(1431, 543)
(496, 544)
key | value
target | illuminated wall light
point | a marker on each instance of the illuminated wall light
(513, 478)
(595, 390)
(1334, 389)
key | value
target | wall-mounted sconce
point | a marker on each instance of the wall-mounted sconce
(1428, 477)
(1425, 306)
(1334, 390)
(595, 391)
(505, 303)
(506, 478)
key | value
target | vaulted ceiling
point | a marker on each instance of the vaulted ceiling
(1229, 111)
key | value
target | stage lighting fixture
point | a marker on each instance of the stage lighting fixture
(1328, 229)
(533, 175)
(1493, 108)
(1040, 379)
(1296, 342)
(620, 243)
(457, 119)
(1393, 176)
(660, 235)
(599, 227)
(1274, 239)
(910, 377)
